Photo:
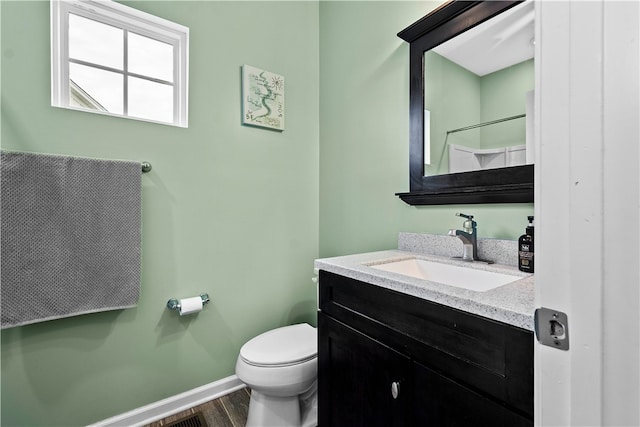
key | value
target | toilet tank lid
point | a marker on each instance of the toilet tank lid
(282, 346)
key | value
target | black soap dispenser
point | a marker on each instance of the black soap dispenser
(525, 249)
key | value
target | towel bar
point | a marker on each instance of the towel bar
(146, 167)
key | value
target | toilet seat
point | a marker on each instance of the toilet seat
(286, 346)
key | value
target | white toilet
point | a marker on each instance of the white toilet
(280, 366)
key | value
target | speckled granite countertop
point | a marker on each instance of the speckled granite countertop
(512, 303)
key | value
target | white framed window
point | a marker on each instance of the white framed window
(112, 59)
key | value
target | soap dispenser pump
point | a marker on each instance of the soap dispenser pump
(525, 249)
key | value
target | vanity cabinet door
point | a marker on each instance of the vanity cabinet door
(362, 382)
(440, 401)
(490, 357)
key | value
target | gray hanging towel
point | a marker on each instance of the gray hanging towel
(70, 236)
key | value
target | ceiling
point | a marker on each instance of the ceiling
(500, 42)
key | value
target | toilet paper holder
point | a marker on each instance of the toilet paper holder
(174, 304)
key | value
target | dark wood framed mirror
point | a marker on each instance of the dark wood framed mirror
(512, 184)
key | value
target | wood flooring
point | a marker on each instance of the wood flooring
(227, 411)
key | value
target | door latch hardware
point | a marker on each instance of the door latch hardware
(552, 328)
(395, 389)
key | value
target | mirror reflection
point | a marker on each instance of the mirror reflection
(478, 96)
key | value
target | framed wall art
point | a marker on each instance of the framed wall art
(262, 98)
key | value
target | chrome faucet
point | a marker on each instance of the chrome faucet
(469, 238)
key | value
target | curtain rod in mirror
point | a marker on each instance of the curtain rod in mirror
(493, 122)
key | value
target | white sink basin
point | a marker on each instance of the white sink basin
(447, 274)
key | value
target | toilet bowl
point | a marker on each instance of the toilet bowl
(280, 368)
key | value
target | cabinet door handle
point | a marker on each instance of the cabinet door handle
(395, 389)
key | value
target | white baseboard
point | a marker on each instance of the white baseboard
(171, 405)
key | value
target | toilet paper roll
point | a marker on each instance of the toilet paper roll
(190, 305)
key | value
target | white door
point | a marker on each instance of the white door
(587, 208)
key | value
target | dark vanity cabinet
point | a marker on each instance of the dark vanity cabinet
(390, 359)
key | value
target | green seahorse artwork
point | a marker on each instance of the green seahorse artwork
(263, 98)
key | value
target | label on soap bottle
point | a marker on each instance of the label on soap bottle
(525, 257)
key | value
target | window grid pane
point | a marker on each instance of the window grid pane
(95, 42)
(96, 89)
(150, 57)
(150, 100)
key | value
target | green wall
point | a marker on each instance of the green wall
(228, 209)
(453, 96)
(503, 94)
(364, 135)
(234, 211)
